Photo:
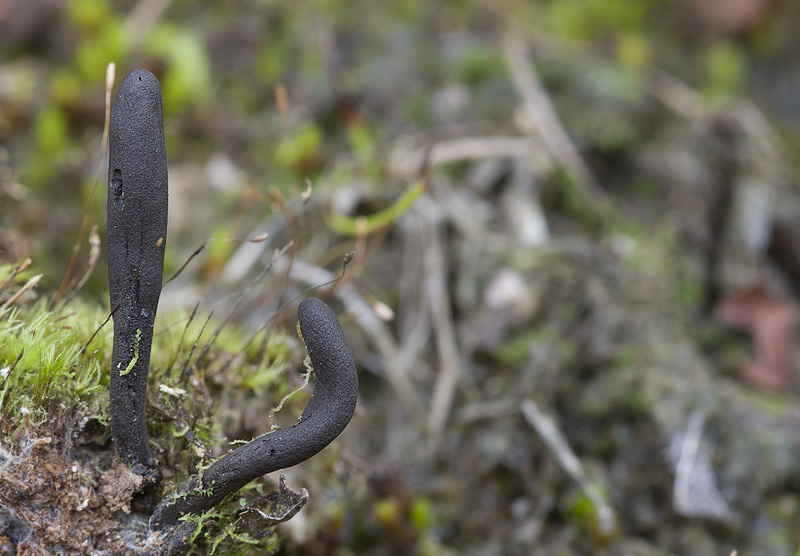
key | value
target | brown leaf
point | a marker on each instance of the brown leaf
(733, 16)
(769, 321)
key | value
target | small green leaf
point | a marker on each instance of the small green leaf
(350, 226)
(130, 366)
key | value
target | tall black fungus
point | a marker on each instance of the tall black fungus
(135, 236)
(326, 415)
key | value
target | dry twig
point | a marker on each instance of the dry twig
(537, 104)
(438, 301)
(94, 254)
(405, 162)
(22, 292)
(555, 441)
(15, 272)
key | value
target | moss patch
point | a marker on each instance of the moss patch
(62, 487)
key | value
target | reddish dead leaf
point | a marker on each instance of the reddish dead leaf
(734, 16)
(769, 321)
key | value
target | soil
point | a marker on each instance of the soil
(60, 500)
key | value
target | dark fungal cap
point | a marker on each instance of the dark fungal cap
(139, 100)
(137, 125)
(140, 81)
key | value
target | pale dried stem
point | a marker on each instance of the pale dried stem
(94, 254)
(690, 448)
(537, 104)
(22, 292)
(468, 148)
(441, 313)
(65, 283)
(15, 272)
(143, 16)
(557, 443)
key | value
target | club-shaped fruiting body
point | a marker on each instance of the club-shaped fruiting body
(135, 238)
(326, 415)
(136, 234)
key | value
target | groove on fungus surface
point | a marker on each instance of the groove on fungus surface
(116, 188)
(325, 416)
(136, 230)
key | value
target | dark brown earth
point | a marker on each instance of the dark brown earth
(65, 500)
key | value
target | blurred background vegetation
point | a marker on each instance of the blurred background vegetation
(355, 77)
(262, 98)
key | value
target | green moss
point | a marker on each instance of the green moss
(725, 71)
(271, 364)
(51, 130)
(270, 61)
(478, 64)
(54, 373)
(633, 50)
(53, 369)
(188, 74)
(516, 350)
(112, 43)
(583, 512)
(591, 19)
(422, 515)
(89, 15)
(301, 149)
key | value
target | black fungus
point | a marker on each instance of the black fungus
(326, 415)
(135, 239)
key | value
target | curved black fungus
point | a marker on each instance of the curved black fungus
(326, 415)
(137, 220)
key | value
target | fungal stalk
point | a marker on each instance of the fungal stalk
(135, 236)
(326, 415)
